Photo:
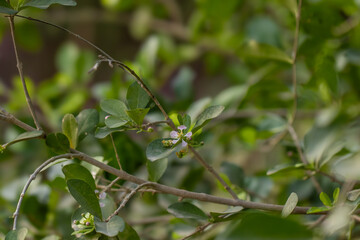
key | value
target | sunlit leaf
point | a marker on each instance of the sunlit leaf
(325, 199)
(70, 129)
(290, 204)
(317, 210)
(353, 195)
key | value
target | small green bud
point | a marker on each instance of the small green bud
(2, 148)
(167, 143)
(150, 129)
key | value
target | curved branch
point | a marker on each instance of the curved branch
(32, 177)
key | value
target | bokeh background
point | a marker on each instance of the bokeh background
(235, 53)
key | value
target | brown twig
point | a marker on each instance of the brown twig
(213, 172)
(198, 230)
(188, 194)
(116, 153)
(127, 198)
(7, 117)
(21, 74)
(303, 158)
(294, 57)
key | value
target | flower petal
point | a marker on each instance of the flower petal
(175, 141)
(183, 143)
(182, 127)
(174, 134)
(188, 135)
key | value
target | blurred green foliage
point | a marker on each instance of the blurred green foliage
(192, 54)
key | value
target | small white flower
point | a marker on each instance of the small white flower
(102, 195)
(180, 136)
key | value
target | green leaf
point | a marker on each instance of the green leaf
(138, 114)
(208, 114)
(43, 4)
(255, 225)
(76, 171)
(317, 210)
(105, 131)
(111, 228)
(6, 8)
(114, 107)
(284, 167)
(87, 120)
(234, 173)
(336, 195)
(290, 204)
(228, 215)
(128, 234)
(136, 96)
(70, 129)
(186, 210)
(325, 71)
(25, 136)
(115, 122)
(325, 199)
(254, 49)
(156, 169)
(58, 143)
(353, 195)
(156, 150)
(85, 196)
(19, 234)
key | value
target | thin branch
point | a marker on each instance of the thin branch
(317, 222)
(303, 158)
(127, 198)
(32, 177)
(21, 74)
(106, 188)
(213, 172)
(125, 189)
(294, 57)
(7, 117)
(198, 230)
(188, 194)
(116, 153)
